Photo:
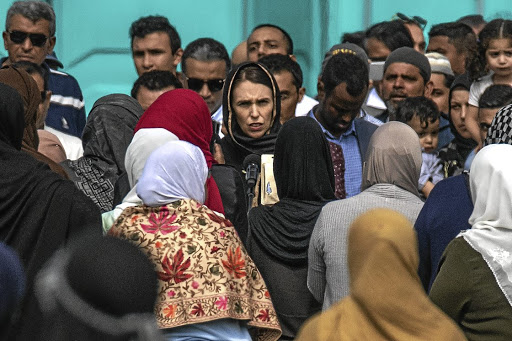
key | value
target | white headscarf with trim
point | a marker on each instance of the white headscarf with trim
(177, 170)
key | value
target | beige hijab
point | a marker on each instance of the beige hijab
(387, 301)
(393, 157)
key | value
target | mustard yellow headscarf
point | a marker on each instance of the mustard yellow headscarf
(387, 301)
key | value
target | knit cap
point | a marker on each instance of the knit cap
(410, 56)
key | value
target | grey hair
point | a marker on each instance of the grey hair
(206, 50)
(32, 10)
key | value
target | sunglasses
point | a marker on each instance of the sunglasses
(37, 39)
(196, 84)
(415, 19)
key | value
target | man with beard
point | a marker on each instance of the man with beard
(406, 74)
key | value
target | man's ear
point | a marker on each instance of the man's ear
(177, 56)
(52, 41)
(428, 89)
(4, 35)
(302, 92)
(320, 89)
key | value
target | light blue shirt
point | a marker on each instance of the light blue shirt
(352, 155)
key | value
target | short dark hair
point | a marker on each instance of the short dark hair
(393, 34)
(448, 79)
(354, 38)
(419, 106)
(32, 68)
(205, 50)
(287, 37)
(155, 23)
(32, 10)
(345, 68)
(154, 81)
(278, 62)
(496, 96)
(459, 35)
(472, 20)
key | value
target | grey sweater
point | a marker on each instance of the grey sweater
(328, 277)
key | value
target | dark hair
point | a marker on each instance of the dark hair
(287, 37)
(276, 63)
(496, 96)
(460, 35)
(448, 79)
(495, 29)
(472, 20)
(32, 69)
(155, 80)
(354, 38)
(205, 50)
(393, 34)
(155, 23)
(419, 106)
(32, 10)
(345, 68)
(253, 74)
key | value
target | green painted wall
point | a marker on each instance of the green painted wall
(93, 42)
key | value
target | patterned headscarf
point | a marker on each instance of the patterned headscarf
(500, 131)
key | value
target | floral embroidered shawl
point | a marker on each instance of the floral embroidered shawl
(203, 268)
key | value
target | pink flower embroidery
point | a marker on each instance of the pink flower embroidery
(222, 303)
(160, 222)
(195, 285)
(264, 315)
(222, 234)
(171, 293)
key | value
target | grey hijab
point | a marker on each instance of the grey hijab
(393, 157)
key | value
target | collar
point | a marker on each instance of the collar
(350, 131)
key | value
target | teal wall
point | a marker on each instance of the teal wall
(93, 42)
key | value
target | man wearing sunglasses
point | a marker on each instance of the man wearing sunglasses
(29, 36)
(205, 66)
(415, 25)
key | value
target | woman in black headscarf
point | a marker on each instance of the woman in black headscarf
(40, 210)
(279, 235)
(107, 134)
(251, 107)
(454, 154)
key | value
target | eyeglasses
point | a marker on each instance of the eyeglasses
(37, 39)
(196, 84)
(415, 19)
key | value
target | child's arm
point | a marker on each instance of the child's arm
(427, 188)
(471, 122)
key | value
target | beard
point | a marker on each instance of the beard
(391, 108)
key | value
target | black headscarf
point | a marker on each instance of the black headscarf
(465, 146)
(12, 124)
(39, 212)
(305, 183)
(236, 145)
(107, 134)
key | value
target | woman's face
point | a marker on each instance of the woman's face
(459, 106)
(252, 106)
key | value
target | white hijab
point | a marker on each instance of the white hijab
(176, 170)
(491, 220)
(144, 142)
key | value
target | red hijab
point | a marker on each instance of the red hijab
(185, 114)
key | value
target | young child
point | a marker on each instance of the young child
(494, 55)
(422, 115)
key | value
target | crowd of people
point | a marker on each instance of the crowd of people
(223, 203)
